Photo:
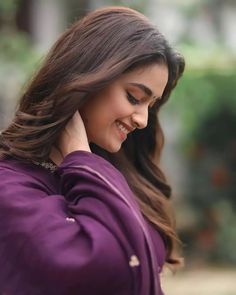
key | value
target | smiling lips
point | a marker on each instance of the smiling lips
(124, 129)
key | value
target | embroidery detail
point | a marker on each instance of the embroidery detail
(136, 214)
(47, 165)
(134, 261)
(69, 219)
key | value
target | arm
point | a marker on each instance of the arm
(63, 244)
(81, 240)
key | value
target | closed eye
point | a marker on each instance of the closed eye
(132, 99)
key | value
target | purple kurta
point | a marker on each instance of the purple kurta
(77, 231)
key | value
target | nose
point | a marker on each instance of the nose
(140, 118)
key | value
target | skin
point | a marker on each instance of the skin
(112, 113)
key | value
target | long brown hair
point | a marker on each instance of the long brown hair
(93, 52)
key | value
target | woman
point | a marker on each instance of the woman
(83, 207)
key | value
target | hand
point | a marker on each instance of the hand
(73, 137)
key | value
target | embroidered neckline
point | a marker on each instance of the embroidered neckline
(47, 165)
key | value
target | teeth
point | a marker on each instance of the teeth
(122, 128)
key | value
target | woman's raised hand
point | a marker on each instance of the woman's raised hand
(73, 137)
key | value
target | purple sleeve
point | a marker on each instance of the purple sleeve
(69, 243)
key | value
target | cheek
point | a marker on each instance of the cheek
(103, 109)
(119, 107)
(96, 117)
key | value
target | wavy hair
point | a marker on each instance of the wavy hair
(92, 53)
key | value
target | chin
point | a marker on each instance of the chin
(113, 151)
(110, 148)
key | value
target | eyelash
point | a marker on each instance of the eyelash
(132, 99)
(135, 101)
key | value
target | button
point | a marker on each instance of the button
(134, 261)
(69, 219)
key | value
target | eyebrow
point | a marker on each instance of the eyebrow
(145, 89)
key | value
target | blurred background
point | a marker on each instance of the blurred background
(199, 121)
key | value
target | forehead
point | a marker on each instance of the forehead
(154, 76)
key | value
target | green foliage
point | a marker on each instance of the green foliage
(205, 104)
(203, 92)
(17, 59)
(15, 46)
(226, 234)
(8, 9)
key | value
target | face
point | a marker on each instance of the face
(115, 111)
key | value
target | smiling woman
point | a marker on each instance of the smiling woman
(84, 208)
(122, 106)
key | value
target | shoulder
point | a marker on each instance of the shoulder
(13, 170)
(15, 174)
(17, 166)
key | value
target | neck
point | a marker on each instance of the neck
(56, 156)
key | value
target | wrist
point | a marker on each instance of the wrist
(75, 146)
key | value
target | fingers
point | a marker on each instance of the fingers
(74, 137)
